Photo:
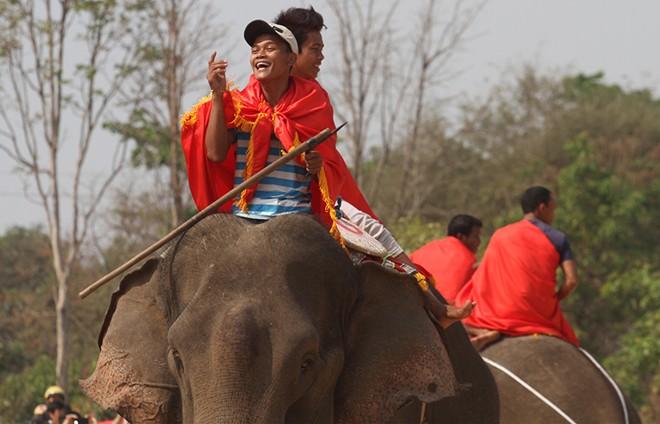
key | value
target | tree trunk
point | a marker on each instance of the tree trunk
(176, 208)
(62, 331)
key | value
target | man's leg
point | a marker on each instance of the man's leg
(481, 337)
(445, 314)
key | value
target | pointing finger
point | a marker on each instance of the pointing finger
(212, 57)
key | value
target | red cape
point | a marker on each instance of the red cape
(450, 263)
(302, 112)
(514, 286)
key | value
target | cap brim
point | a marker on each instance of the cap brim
(256, 28)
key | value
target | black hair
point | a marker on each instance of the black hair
(533, 197)
(301, 22)
(462, 224)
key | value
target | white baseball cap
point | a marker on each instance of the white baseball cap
(258, 27)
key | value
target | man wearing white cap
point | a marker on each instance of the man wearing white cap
(231, 135)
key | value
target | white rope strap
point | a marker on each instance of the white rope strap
(530, 388)
(612, 382)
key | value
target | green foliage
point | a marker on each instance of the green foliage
(413, 233)
(152, 139)
(25, 261)
(635, 365)
(605, 214)
(597, 146)
(22, 391)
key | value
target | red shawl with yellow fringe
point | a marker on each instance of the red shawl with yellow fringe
(302, 112)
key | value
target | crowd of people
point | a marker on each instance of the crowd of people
(56, 410)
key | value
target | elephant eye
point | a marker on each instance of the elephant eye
(177, 359)
(307, 363)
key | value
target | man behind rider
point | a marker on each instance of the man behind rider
(452, 260)
(306, 25)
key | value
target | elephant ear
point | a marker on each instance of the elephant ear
(131, 375)
(393, 351)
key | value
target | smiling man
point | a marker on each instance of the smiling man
(231, 135)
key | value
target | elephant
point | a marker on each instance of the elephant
(243, 322)
(561, 373)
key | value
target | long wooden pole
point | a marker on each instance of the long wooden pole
(302, 148)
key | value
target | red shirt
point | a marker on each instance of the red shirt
(450, 263)
(514, 287)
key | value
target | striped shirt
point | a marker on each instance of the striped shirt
(285, 191)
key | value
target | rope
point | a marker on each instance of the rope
(612, 382)
(530, 388)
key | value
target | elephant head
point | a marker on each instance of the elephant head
(266, 323)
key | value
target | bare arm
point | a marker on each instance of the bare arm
(218, 139)
(569, 268)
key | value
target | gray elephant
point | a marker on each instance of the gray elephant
(268, 323)
(561, 374)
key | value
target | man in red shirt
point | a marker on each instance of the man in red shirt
(451, 260)
(515, 287)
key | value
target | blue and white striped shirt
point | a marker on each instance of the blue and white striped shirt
(285, 191)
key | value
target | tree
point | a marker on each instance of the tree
(27, 339)
(49, 89)
(363, 36)
(173, 51)
(374, 84)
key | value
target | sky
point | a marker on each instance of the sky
(618, 37)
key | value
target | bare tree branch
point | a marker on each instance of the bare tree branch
(362, 35)
(37, 73)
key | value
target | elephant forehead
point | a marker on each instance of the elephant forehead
(284, 260)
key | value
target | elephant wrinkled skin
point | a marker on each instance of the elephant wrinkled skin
(265, 323)
(562, 374)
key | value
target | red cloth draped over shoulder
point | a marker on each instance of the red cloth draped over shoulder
(450, 263)
(302, 112)
(514, 286)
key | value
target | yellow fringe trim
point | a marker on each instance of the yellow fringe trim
(330, 207)
(421, 281)
(249, 161)
(190, 118)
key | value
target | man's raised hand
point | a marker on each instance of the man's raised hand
(216, 74)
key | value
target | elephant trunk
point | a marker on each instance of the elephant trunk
(241, 385)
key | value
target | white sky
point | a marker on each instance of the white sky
(618, 37)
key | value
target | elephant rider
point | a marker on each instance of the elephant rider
(452, 260)
(231, 135)
(306, 25)
(515, 284)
